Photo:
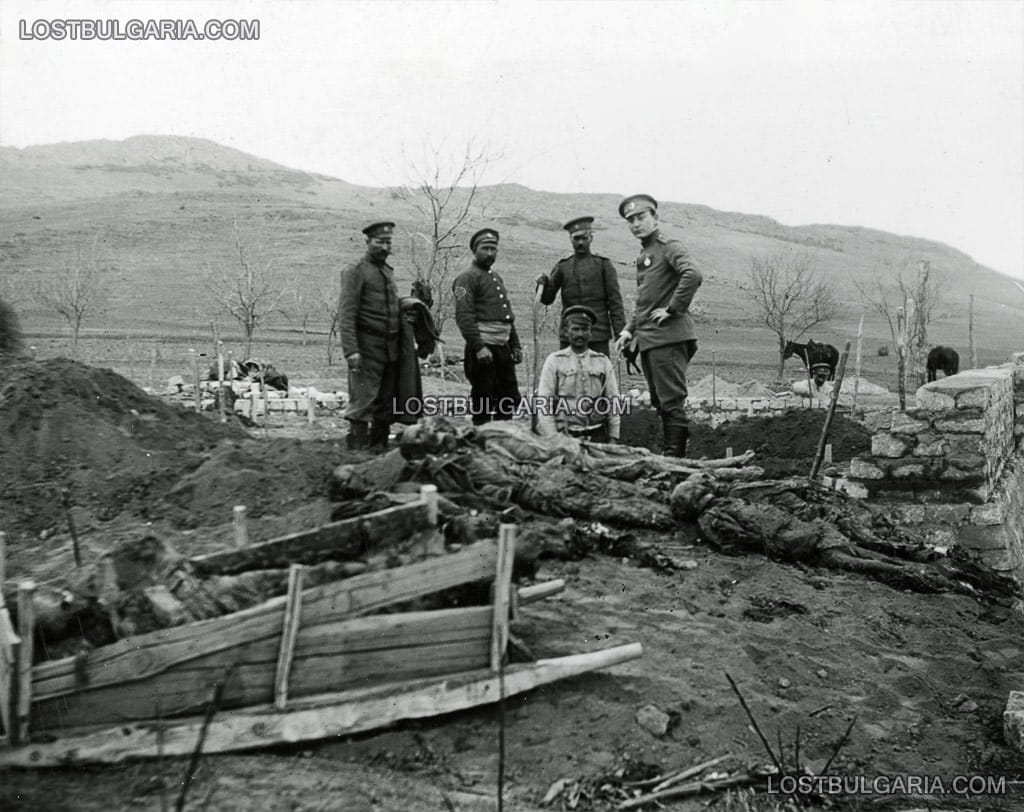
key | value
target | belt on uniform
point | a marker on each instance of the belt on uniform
(373, 331)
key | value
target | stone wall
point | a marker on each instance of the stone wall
(954, 465)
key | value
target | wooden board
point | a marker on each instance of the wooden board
(314, 718)
(141, 657)
(349, 538)
(328, 656)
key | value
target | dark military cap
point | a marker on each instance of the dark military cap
(637, 203)
(579, 314)
(379, 229)
(574, 227)
(484, 235)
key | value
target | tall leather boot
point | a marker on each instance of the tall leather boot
(682, 437)
(668, 436)
(356, 439)
(379, 435)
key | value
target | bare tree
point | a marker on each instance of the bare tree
(908, 301)
(327, 296)
(77, 290)
(790, 298)
(248, 289)
(303, 305)
(445, 191)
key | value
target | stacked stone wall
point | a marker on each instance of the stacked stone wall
(954, 465)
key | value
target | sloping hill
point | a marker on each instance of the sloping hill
(165, 210)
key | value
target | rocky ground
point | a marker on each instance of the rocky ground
(923, 678)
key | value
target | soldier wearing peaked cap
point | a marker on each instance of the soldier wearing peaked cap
(577, 385)
(377, 343)
(484, 315)
(586, 279)
(661, 327)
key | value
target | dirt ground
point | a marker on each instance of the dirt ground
(925, 677)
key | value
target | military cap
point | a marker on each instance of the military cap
(637, 203)
(379, 229)
(484, 235)
(579, 314)
(574, 227)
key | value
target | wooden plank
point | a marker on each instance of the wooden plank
(317, 717)
(240, 524)
(349, 538)
(327, 657)
(26, 622)
(290, 630)
(143, 656)
(9, 647)
(538, 592)
(502, 586)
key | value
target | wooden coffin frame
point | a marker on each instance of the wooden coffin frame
(309, 664)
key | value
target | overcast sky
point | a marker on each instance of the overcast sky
(907, 117)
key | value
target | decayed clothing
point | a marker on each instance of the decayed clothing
(666, 277)
(369, 323)
(590, 281)
(580, 393)
(481, 298)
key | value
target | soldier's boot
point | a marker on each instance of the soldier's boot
(356, 439)
(677, 434)
(682, 438)
(379, 435)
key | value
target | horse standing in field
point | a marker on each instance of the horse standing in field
(813, 353)
(945, 358)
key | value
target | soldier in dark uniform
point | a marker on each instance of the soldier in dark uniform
(586, 280)
(666, 283)
(485, 318)
(371, 340)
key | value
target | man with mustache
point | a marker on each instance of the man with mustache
(667, 280)
(589, 280)
(484, 315)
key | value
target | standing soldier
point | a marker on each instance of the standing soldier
(577, 386)
(373, 341)
(666, 283)
(484, 315)
(587, 280)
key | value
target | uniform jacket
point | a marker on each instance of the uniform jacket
(665, 277)
(481, 296)
(564, 379)
(593, 282)
(368, 313)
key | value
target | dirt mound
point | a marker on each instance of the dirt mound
(68, 425)
(785, 444)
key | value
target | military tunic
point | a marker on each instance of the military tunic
(665, 277)
(484, 315)
(577, 391)
(368, 323)
(590, 281)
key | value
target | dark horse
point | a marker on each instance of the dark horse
(813, 353)
(945, 358)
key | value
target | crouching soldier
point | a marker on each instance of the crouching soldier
(577, 393)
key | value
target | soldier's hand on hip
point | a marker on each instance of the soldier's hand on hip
(483, 355)
(659, 315)
(622, 340)
(517, 356)
(355, 361)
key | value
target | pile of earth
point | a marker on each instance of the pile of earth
(784, 444)
(113, 449)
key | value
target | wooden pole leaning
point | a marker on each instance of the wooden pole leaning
(289, 633)
(502, 597)
(831, 412)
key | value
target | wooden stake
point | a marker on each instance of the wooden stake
(311, 405)
(970, 334)
(428, 494)
(831, 412)
(238, 520)
(728, 451)
(10, 644)
(26, 622)
(502, 585)
(152, 367)
(714, 378)
(195, 381)
(828, 453)
(3, 565)
(220, 382)
(289, 632)
(856, 380)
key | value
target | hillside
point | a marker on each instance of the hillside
(165, 208)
